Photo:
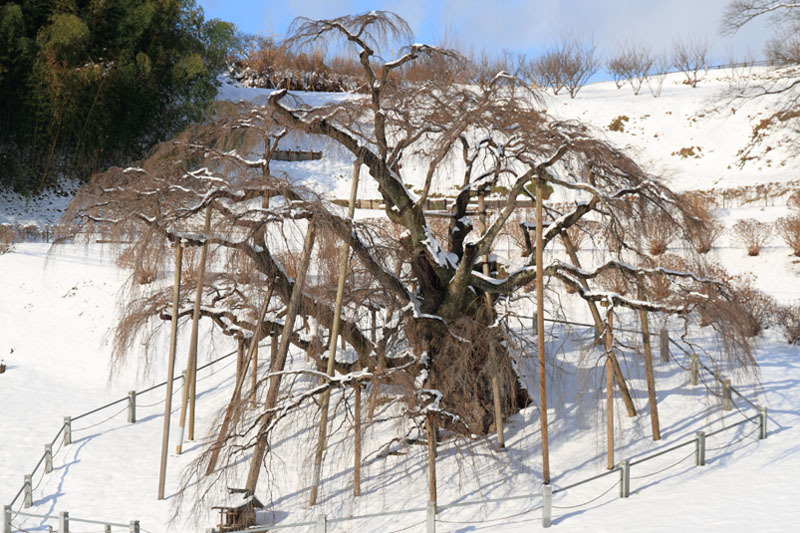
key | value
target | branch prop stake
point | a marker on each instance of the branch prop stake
(540, 335)
(176, 296)
(498, 411)
(326, 396)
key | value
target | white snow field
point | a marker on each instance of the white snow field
(59, 308)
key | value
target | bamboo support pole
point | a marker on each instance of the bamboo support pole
(609, 390)
(239, 357)
(498, 411)
(540, 335)
(326, 396)
(652, 399)
(237, 391)
(254, 377)
(201, 274)
(176, 295)
(430, 430)
(277, 364)
(573, 256)
(357, 443)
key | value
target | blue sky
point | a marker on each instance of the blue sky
(525, 26)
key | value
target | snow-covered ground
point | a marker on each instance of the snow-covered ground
(59, 307)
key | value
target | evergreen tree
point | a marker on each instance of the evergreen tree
(87, 83)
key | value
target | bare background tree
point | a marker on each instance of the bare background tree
(632, 62)
(784, 50)
(569, 64)
(690, 56)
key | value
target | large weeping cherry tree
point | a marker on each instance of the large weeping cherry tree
(438, 283)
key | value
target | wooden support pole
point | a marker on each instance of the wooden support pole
(176, 296)
(237, 390)
(609, 391)
(357, 443)
(27, 496)
(694, 369)
(663, 345)
(430, 430)
(573, 256)
(254, 376)
(727, 401)
(337, 311)
(191, 365)
(652, 399)
(540, 334)
(48, 458)
(239, 357)
(700, 448)
(132, 407)
(278, 363)
(498, 410)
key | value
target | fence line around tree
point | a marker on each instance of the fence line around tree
(64, 438)
(622, 471)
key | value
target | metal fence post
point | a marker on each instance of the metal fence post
(700, 448)
(663, 344)
(624, 479)
(322, 523)
(134, 526)
(547, 505)
(762, 433)
(27, 499)
(67, 430)
(48, 458)
(727, 403)
(63, 522)
(6, 519)
(695, 368)
(430, 515)
(132, 407)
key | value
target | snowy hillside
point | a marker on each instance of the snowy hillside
(60, 305)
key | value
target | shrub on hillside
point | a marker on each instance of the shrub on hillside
(787, 317)
(6, 239)
(756, 306)
(704, 229)
(794, 200)
(658, 233)
(753, 234)
(788, 228)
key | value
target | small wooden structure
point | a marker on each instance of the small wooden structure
(238, 511)
(296, 155)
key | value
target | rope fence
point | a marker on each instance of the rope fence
(64, 437)
(623, 469)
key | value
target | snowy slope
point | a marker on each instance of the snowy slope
(58, 309)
